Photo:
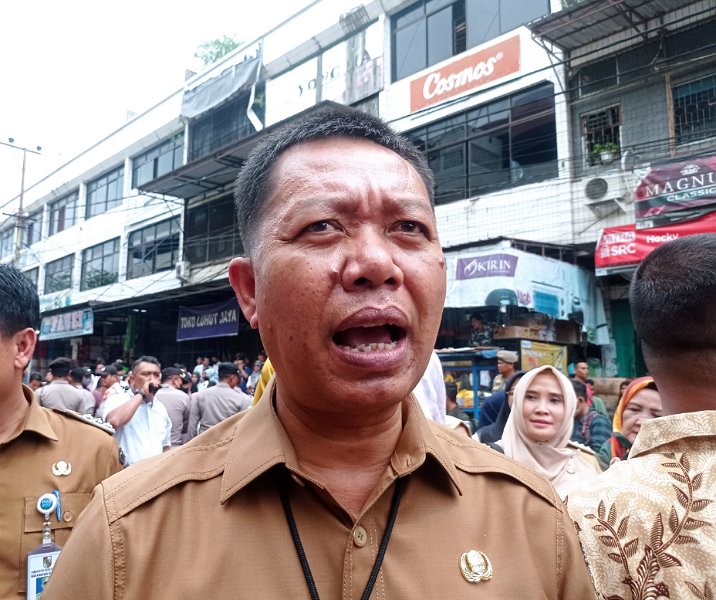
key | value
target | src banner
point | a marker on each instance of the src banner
(625, 246)
(676, 191)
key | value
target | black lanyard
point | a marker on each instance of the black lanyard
(395, 503)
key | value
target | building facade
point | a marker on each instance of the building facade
(515, 102)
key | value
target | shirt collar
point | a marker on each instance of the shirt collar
(261, 442)
(665, 430)
(37, 420)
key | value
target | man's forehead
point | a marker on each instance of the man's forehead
(144, 367)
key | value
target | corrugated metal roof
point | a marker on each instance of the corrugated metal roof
(591, 20)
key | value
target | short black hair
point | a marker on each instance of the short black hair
(19, 303)
(579, 388)
(60, 367)
(35, 376)
(253, 182)
(672, 296)
(147, 359)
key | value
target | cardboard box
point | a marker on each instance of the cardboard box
(517, 332)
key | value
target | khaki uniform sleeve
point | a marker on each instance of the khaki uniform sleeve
(574, 578)
(194, 416)
(85, 569)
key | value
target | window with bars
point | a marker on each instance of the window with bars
(58, 274)
(695, 110)
(63, 213)
(33, 229)
(600, 131)
(100, 265)
(153, 249)
(211, 232)
(105, 193)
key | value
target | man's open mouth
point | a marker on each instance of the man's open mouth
(369, 338)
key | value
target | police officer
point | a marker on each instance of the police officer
(42, 451)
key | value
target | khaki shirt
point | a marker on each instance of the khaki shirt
(215, 404)
(26, 472)
(206, 521)
(60, 393)
(177, 404)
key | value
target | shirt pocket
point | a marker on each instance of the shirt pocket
(72, 504)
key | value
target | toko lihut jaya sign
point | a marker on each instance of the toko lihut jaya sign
(470, 71)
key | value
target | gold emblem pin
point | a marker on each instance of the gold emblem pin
(61, 467)
(475, 566)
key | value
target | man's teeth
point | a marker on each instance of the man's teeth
(370, 347)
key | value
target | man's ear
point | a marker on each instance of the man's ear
(241, 276)
(24, 341)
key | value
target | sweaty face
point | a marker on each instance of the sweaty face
(543, 408)
(646, 404)
(349, 272)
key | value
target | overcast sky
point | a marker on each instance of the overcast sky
(71, 69)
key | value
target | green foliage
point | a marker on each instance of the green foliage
(211, 51)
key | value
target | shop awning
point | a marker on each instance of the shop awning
(500, 275)
(621, 249)
(587, 21)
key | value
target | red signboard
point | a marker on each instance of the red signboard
(468, 72)
(676, 191)
(626, 245)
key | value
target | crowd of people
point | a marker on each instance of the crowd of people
(362, 475)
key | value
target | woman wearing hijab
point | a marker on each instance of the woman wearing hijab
(640, 401)
(538, 429)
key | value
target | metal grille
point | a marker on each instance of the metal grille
(695, 110)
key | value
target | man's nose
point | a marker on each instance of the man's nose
(370, 262)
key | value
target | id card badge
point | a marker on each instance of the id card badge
(41, 561)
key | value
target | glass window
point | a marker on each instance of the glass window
(7, 241)
(33, 275)
(105, 193)
(212, 232)
(63, 213)
(153, 249)
(508, 142)
(100, 265)
(695, 110)
(600, 130)
(159, 160)
(33, 228)
(58, 274)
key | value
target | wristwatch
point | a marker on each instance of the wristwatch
(140, 393)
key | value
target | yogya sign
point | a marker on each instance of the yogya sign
(471, 71)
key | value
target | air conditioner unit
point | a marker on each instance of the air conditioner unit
(183, 270)
(606, 193)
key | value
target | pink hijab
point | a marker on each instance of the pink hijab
(554, 460)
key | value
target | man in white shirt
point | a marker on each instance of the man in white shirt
(143, 427)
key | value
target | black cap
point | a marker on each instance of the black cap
(60, 367)
(107, 370)
(226, 369)
(171, 372)
(79, 372)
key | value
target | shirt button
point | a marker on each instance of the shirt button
(360, 537)
(67, 517)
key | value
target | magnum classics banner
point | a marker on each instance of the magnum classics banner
(501, 275)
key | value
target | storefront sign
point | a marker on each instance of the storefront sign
(676, 191)
(469, 72)
(68, 324)
(500, 275)
(537, 354)
(208, 321)
(620, 247)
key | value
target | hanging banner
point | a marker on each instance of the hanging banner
(537, 354)
(69, 324)
(676, 191)
(221, 83)
(625, 246)
(500, 275)
(208, 321)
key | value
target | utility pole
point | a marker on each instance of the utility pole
(20, 217)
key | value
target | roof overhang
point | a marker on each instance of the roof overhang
(588, 21)
(216, 171)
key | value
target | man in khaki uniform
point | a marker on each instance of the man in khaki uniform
(41, 450)
(218, 402)
(176, 401)
(335, 485)
(60, 393)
